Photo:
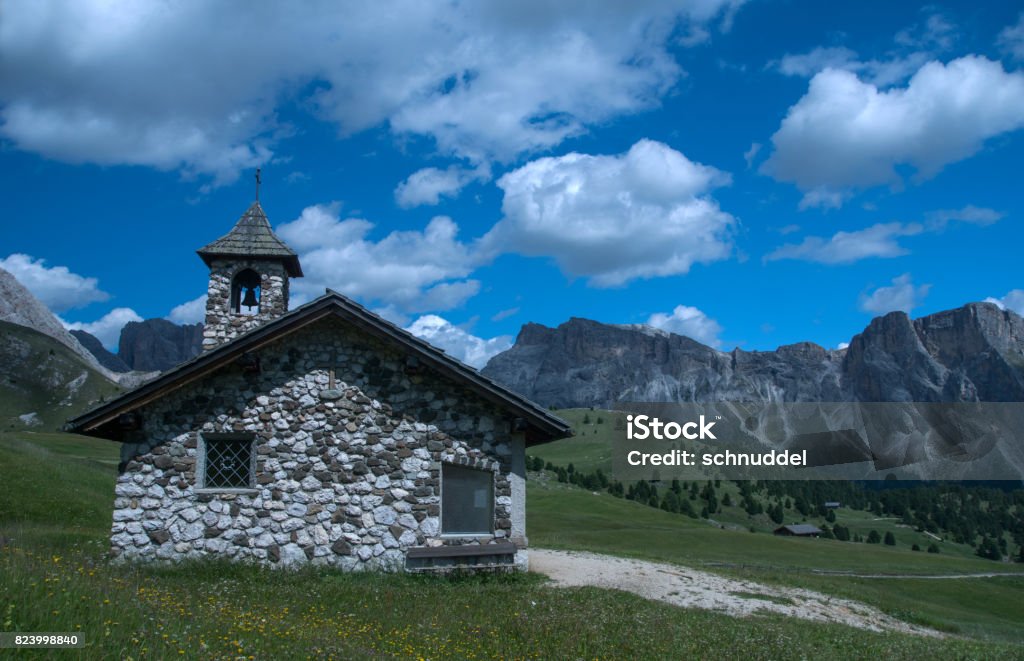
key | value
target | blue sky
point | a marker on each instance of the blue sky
(747, 173)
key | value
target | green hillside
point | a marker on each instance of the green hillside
(56, 492)
(40, 375)
(566, 517)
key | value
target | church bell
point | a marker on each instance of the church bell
(250, 298)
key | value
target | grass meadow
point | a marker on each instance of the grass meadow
(56, 493)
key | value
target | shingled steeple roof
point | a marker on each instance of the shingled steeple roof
(252, 237)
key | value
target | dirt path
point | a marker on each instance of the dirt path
(993, 574)
(849, 574)
(691, 588)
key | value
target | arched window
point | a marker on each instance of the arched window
(245, 292)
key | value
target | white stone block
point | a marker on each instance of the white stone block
(384, 515)
(263, 541)
(430, 526)
(122, 540)
(192, 532)
(320, 536)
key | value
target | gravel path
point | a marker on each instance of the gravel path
(690, 588)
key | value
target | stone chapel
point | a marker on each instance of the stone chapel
(323, 434)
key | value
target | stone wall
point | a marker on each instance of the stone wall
(346, 476)
(222, 323)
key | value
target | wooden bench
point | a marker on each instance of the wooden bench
(471, 557)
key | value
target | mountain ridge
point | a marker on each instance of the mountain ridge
(158, 344)
(19, 306)
(971, 353)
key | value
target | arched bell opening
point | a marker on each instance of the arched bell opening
(246, 293)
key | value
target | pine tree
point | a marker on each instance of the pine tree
(988, 549)
(890, 539)
(670, 502)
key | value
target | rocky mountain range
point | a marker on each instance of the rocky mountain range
(19, 306)
(146, 348)
(48, 373)
(96, 348)
(158, 344)
(153, 345)
(973, 353)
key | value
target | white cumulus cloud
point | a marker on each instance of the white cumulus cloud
(429, 185)
(820, 58)
(1014, 300)
(56, 286)
(879, 240)
(112, 83)
(613, 219)
(190, 312)
(901, 294)
(847, 134)
(410, 270)
(912, 48)
(468, 348)
(968, 214)
(688, 321)
(106, 329)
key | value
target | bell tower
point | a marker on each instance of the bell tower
(249, 272)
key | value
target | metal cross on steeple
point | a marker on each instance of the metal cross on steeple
(257, 184)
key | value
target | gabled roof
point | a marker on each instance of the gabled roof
(540, 425)
(252, 237)
(801, 529)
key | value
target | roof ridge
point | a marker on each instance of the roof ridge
(541, 419)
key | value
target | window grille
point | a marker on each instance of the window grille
(228, 463)
(467, 501)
